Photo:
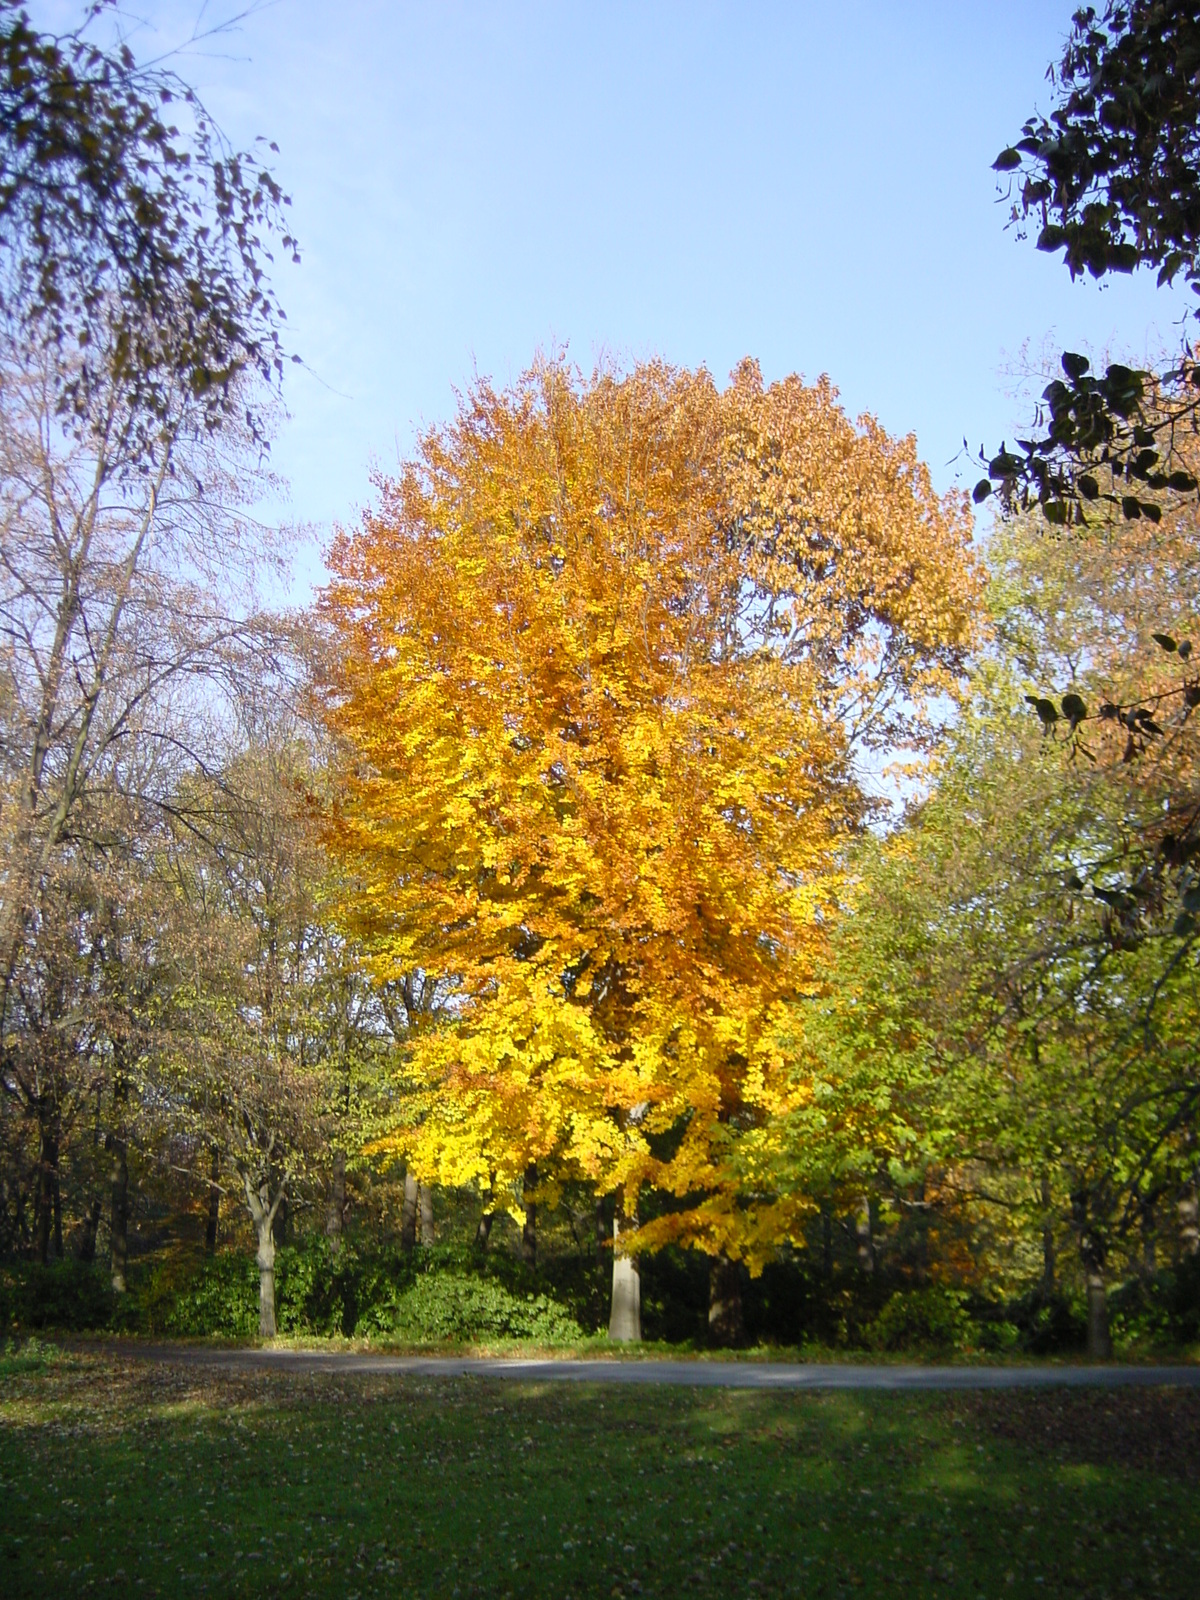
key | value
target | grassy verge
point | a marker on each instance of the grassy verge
(125, 1479)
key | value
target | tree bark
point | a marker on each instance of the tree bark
(120, 1211)
(264, 1210)
(1092, 1256)
(529, 1231)
(1149, 1242)
(56, 1192)
(266, 1278)
(335, 1211)
(87, 1242)
(1048, 1261)
(725, 1322)
(1189, 1219)
(427, 1229)
(408, 1217)
(625, 1315)
(213, 1220)
(49, 1211)
(866, 1241)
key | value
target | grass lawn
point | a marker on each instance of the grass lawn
(123, 1478)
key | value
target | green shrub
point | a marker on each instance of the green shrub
(444, 1307)
(26, 1355)
(71, 1295)
(1161, 1311)
(217, 1299)
(934, 1319)
(1048, 1324)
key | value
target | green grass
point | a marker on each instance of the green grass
(121, 1478)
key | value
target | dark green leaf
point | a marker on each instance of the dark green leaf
(1164, 641)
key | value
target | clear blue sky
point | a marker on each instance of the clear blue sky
(808, 183)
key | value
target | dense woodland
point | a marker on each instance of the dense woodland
(684, 875)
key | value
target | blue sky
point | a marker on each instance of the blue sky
(807, 183)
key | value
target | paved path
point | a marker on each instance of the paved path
(695, 1374)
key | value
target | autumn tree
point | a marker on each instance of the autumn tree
(258, 995)
(1007, 1028)
(139, 358)
(607, 652)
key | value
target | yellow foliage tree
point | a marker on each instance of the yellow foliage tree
(606, 652)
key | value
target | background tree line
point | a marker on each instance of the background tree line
(535, 876)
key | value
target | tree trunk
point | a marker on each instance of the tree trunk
(87, 1243)
(213, 1220)
(625, 1316)
(725, 1301)
(1048, 1261)
(49, 1211)
(120, 1211)
(56, 1191)
(1189, 1220)
(1092, 1256)
(1099, 1340)
(427, 1232)
(1149, 1242)
(335, 1211)
(529, 1231)
(866, 1241)
(266, 1277)
(264, 1211)
(922, 1249)
(408, 1217)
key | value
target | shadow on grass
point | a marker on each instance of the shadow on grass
(119, 1478)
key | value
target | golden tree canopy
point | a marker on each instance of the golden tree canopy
(604, 655)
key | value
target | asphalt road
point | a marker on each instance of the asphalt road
(693, 1374)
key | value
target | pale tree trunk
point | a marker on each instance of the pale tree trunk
(529, 1231)
(1092, 1257)
(427, 1228)
(408, 1217)
(725, 1300)
(1048, 1261)
(335, 1211)
(263, 1210)
(1189, 1220)
(625, 1317)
